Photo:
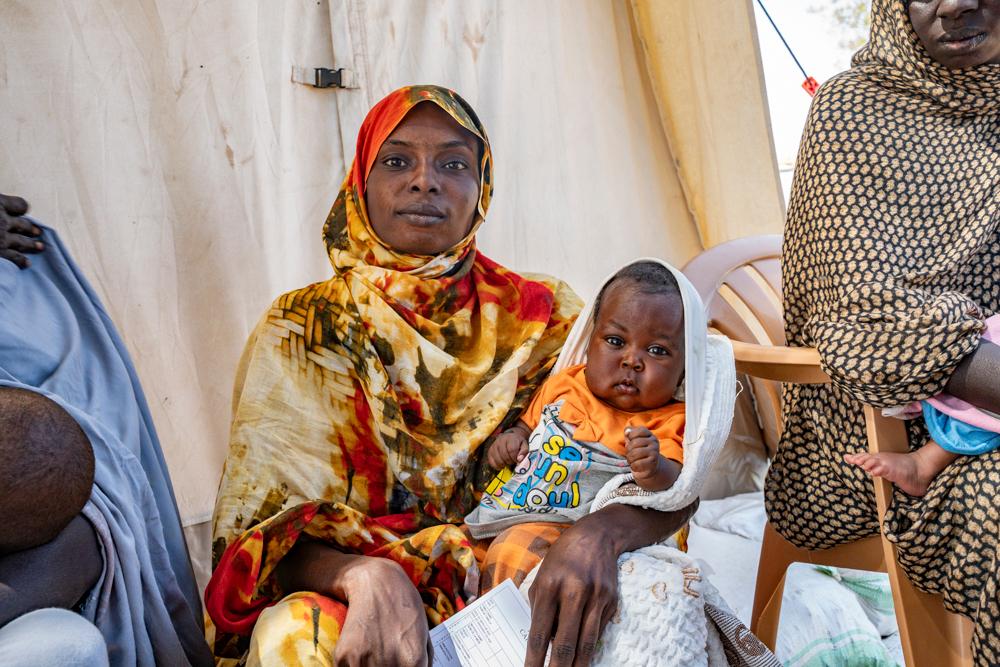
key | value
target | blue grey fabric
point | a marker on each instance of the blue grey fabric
(57, 339)
(956, 436)
(52, 638)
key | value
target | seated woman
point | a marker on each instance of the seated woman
(361, 410)
(890, 266)
(120, 564)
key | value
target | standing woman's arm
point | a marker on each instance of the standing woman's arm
(977, 378)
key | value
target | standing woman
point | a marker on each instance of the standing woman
(361, 409)
(891, 262)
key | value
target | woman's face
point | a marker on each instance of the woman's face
(423, 188)
(958, 33)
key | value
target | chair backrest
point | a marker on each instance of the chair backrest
(740, 283)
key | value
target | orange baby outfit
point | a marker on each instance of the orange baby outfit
(596, 421)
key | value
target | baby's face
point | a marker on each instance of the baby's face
(635, 359)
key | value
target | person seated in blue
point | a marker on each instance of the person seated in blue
(93, 564)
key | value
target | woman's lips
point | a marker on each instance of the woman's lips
(422, 215)
(962, 41)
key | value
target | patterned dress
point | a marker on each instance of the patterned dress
(891, 262)
(361, 408)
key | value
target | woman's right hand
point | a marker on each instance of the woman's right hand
(386, 623)
(17, 235)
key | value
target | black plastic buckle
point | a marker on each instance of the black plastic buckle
(329, 78)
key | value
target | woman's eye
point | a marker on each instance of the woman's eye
(394, 162)
(456, 165)
(614, 341)
(658, 351)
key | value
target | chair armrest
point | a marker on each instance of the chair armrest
(797, 365)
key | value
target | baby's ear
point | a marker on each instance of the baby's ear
(679, 394)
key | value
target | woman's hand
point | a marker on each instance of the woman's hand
(17, 235)
(386, 623)
(575, 592)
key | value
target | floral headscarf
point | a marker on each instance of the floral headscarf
(377, 387)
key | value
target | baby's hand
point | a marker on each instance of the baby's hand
(642, 451)
(509, 448)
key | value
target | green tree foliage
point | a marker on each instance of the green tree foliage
(852, 17)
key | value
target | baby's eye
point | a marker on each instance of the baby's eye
(394, 162)
(614, 341)
(658, 351)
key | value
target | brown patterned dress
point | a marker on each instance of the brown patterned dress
(891, 262)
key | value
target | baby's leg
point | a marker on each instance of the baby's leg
(912, 472)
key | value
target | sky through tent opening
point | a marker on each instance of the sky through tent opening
(823, 36)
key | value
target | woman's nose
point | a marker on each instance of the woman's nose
(424, 178)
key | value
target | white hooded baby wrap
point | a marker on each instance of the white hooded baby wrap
(668, 613)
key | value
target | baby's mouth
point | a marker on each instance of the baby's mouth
(626, 387)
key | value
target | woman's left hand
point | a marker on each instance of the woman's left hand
(575, 592)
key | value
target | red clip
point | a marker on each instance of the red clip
(810, 85)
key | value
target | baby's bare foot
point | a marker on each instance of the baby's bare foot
(903, 470)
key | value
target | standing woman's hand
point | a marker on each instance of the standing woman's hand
(575, 593)
(17, 235)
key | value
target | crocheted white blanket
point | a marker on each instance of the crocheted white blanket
(669, 615)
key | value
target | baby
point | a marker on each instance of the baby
(956, 428)
(46, 469)
(616, 413)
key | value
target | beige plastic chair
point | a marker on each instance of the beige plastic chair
(740, 282)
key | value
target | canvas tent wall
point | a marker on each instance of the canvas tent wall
(190, 176)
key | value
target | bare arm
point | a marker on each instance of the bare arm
(977, 379)
(56, 574)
